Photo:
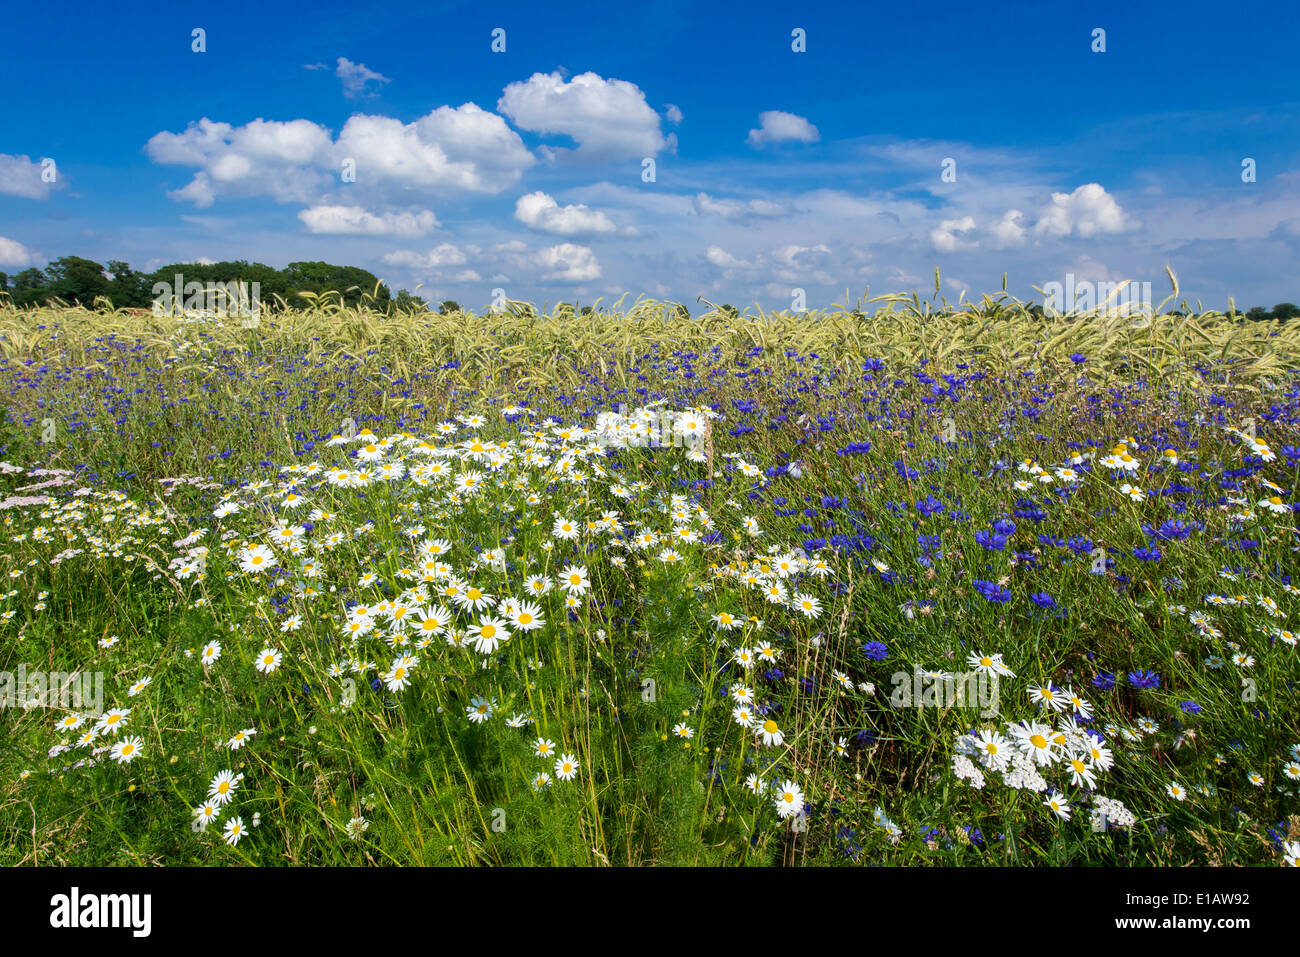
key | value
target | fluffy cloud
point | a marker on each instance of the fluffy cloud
(724, 260)
(440, 257)
(568, 262)
(14, 253)
(774, 126)
(1088, 211)
(260, 158)
(787, 264)
(464, 148)
(608, 119)
(1007, 232)
(355, 76)
(21, 176)
(945, 239)
(541, 212)
(353, 220)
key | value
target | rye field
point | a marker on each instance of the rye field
(900, 584)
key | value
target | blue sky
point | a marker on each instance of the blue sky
(774, 170)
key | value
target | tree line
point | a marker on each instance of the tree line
(73, 279)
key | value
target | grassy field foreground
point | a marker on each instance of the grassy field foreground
(621, 588)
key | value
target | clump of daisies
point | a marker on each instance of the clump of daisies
(1049, 754)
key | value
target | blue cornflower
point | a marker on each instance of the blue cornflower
(929, 505)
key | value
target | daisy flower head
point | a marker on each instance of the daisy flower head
(1035, 740)
(1058, 806)
(479, 710)
(268, 659)
(70, 722)
(725, 621)
(789, 800)
(398, 677)
(113, 720)
(769, 733)
(1133, 493)
(489, 634)
(126, 750)
(240, 738)
(526, 616)
(574, 580)
(566, 767)
(1048, 697)
(205, 814)
(223, 786)
(256, 558)
(993, 750)
(807, 605)
(990, 665)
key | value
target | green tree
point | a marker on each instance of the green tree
(74, 279)
(407, 301)
(448, 306)
(1285, 311)
(351, 282)
(127, 288)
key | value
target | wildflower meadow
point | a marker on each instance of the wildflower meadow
(906, 582)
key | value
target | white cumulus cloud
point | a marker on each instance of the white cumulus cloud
(608, 119)
(464, 148)
(1008, 231)
(440, 257)
(568, 262)
(353, 220)
(1088, 211)
(14, 253)
(723, 259)
(775, 126)
(945, 236)
(21, 176)
(541, 212)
